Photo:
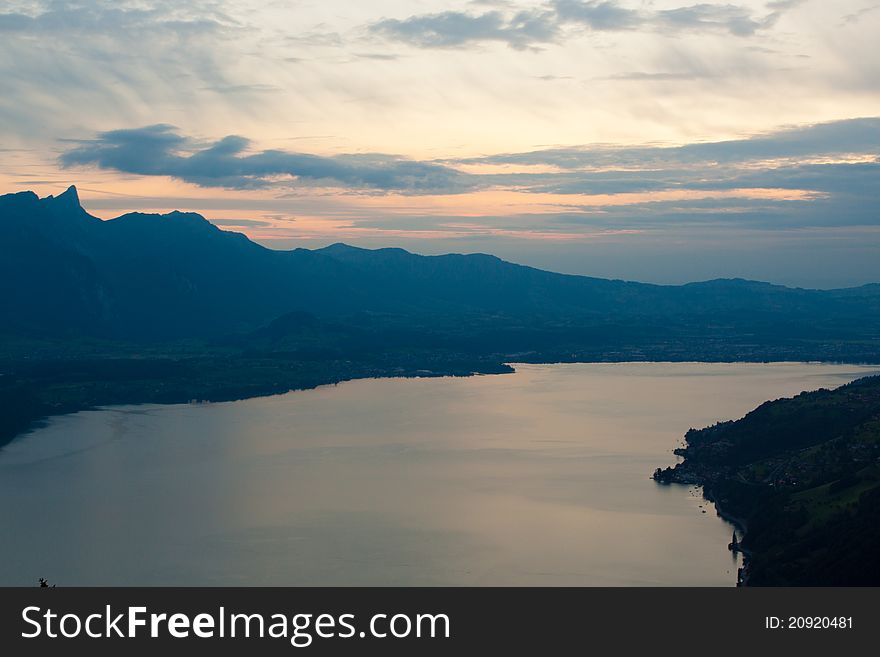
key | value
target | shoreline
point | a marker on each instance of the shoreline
(39, 420)
(221, 390)
(742, 577)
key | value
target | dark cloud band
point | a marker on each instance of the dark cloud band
(161, 150)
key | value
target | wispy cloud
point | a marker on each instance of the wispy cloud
(856, 16)
(599, 15)
(120, 57)
(99, 17)
(241, 223)
(532, 28)
(524, 29)
(658, 76)
(860, 135)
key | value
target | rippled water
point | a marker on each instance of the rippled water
(535, 478)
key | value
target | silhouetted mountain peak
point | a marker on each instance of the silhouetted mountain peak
(60, 218)
(340, 247)
(66, 208)
(68, 198)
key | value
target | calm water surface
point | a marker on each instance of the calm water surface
(534, 478)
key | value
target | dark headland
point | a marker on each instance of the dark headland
(801, 477)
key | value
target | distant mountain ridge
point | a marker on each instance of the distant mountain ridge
(176, 275)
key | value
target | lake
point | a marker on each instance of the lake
(541, 477)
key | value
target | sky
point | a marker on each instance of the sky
(661, 141)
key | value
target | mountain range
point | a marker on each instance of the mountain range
(64, 272)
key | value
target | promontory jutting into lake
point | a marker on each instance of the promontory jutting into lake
(541, 477)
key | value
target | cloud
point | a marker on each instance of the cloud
(598, 15)
(848, 136)
(532, 28)
(524, 29)
(159, 150)
(824, 174)
(121, 58)
(242, 88)
(378, 56)
(660, 76)
(99, 17)
(856, 16)
(241, 223)
(704, 17)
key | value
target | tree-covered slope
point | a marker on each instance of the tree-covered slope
(803, 477)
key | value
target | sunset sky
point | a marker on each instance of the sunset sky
(651, 140)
